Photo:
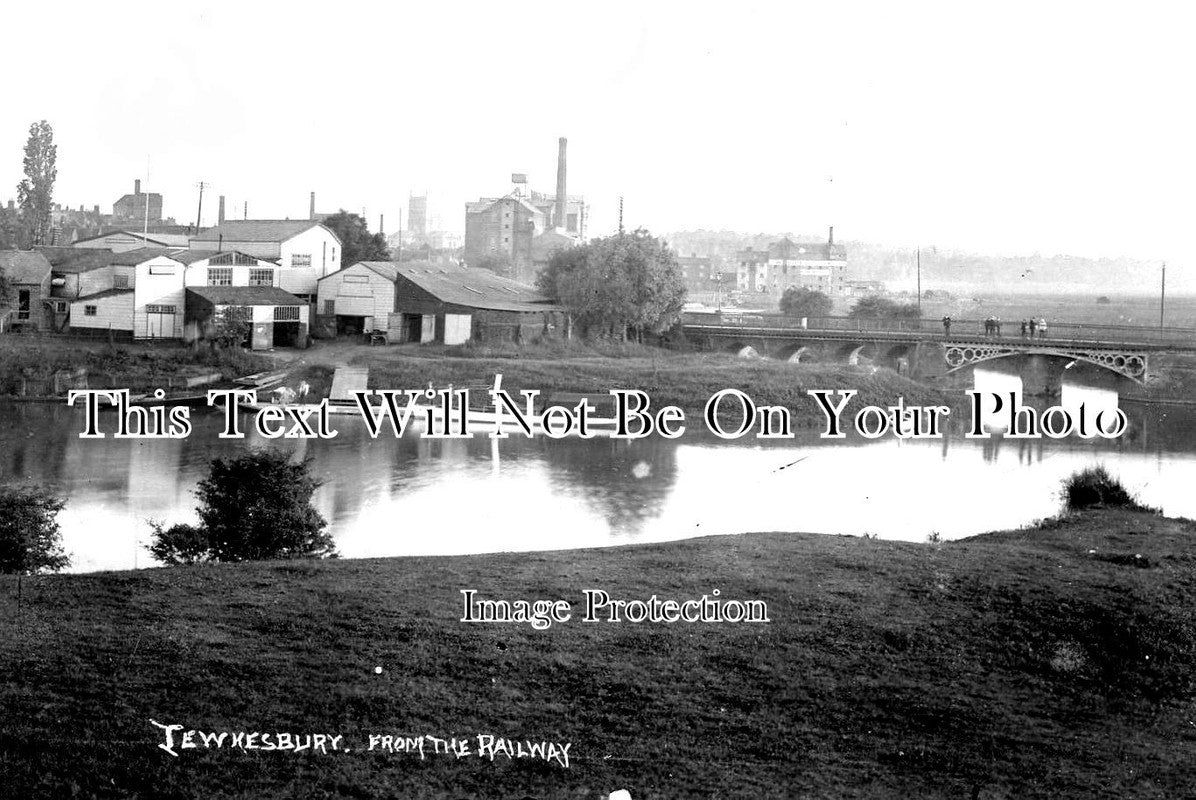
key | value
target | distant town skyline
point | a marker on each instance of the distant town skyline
(1058, 128)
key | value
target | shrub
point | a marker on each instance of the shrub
(253, 507)
(30, 540)
(1094, 487)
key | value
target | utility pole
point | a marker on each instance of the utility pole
(620, 215)
(1163, 294)
(199, 212)
(919, 287)
(145, 229)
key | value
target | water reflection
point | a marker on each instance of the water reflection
(418, 496)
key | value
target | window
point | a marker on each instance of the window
(120, 281)
(330, 307)
(334, 254)
(159, 309)
(220, 276)
(61, 306)
(261, 277)
(286, 313)
(162, 270)
(301, 259)
(89, 311)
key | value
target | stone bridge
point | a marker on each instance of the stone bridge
(917, 349)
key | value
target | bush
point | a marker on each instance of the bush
(30, 540)
(801, 302)
(253, 507)
(1094, 487)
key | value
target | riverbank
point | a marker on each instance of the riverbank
(28, 364)
(1051, 662)
(683, 379)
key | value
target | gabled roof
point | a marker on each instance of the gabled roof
(24, 266)
(160, 239)
(189, 257)
(387, 269)
(486, 202)
(259, 230)
(246, 296)
(131, 258)
(478, 288)
(76, 259)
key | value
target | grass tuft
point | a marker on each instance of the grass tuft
(1094, 487)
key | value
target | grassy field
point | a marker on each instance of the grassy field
(1053, 662)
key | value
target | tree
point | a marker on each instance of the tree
(30, 540)
(616, 283)
(875, 307)
(499, 263)
(231, 326)
(253, 507)
(35, 193)
(357, 243)
(798, 301)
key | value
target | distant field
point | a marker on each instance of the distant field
(978, 304)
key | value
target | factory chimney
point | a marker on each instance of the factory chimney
(561, 197)
(832, 236)
(381, 223)
(311, 214)
(220, 212)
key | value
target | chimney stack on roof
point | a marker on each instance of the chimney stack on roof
(220, 212)
(831, 240)
(137, 186)
(561, 197)
(311, 214)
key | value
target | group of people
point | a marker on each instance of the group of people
(992, 327)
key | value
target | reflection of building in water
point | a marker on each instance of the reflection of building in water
(627, 482)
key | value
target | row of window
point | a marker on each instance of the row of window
(223, 276)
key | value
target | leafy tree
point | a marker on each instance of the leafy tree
(35, 193)
(30, 540)
(621, 282)
(875, 307)
(231, 326)
(498, 263)
(5, 289)
(12, 237)
(357, 243)
(798, 301)
(253, 507)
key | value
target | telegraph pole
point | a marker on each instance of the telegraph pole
(1163, 294)
(620, 215)
(919, 287)
(199, 211)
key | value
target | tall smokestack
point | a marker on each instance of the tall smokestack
(831, 240)
(381, 223)
(561, 197)
(311, 214)
(137, 186)
(220, 212)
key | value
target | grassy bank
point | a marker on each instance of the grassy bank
(1054, 662)
(136, 366)
(686, 380)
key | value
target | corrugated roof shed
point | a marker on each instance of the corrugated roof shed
(246, 296)
(478, 288)
(24, 266)
(257, 230)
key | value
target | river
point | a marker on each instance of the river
(417, 496)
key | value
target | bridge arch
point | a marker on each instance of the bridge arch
(852, 352)
(744, 350)
(794, 353)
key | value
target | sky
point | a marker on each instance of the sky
(999, 128)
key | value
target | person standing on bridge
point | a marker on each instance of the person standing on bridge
(946, 326)
(1033, 325)
(1042, 328)
(997, 325)
(1023, 329)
